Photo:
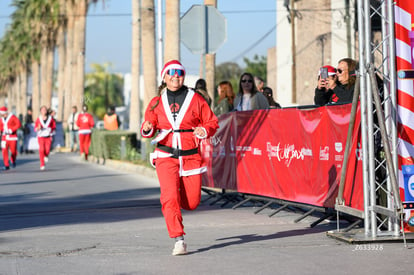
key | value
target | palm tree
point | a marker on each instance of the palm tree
(148, 50)
(134, 108)
(172, 32)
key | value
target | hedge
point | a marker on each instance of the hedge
(107, 145)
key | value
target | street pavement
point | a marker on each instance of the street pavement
(85, 218)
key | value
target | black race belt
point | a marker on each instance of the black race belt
(182, 130)
(177, 152)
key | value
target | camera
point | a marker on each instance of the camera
(324, 73)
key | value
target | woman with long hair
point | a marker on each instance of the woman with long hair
(248, 97)
(226, 98)
(182, 119)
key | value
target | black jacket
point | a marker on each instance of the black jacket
(344, 94)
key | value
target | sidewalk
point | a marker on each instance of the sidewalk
(84, 218)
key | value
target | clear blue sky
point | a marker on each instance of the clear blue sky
(109, 31)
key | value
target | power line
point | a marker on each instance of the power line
(257, 42)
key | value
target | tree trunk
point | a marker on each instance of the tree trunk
(79, 48)
(35, 89)
(43, 76)
(61, 72)
(69, 66)
(17, 94)
(210, 64)
(23, 90)
(134, 107)
(148, 50)
(172, 30)
(48, 93)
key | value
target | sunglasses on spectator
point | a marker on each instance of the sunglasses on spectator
(173, 72)
(247, 80)
(339, 71)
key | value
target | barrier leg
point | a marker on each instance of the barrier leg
(278, 210)
(352, 226)
(304, 215)
(241, 203)
(263, 207)
(321, 219)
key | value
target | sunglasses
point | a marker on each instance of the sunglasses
(247, 80)
(339, 71)
(173, 72)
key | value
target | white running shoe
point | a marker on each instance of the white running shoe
(180, 248)
(42, 168)
(46, 159)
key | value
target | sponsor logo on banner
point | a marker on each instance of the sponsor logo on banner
(287, 153)
(339, 157)
(215, 140)
(358, 152)
(257, 152)
(307, 152)
(338, 147)
(222, 151)
(324, 153)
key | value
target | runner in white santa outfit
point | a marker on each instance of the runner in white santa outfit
(182, 118)
(45, 127)
(9, 124)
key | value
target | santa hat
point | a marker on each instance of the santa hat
(331, 70)
(3, 110)
(173, 64)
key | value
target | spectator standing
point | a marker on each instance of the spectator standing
(9, 124)
(85, 123)
(73, 129)
(111, 120)
(201, 88)
(28, 120)
(259, 82)
(183, 118)
(45, 127)
(340, 91)
(248, 97)
(226, 98)
(268, 93)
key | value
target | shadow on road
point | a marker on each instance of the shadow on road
(250, 238)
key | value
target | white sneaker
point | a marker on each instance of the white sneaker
(42, 168)
(46, 159)
(180, 248)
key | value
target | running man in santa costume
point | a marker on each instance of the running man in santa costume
(45, 127)
(182, 119)
(85, 123)
(9, 124)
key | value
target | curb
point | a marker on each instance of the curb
(125, 166)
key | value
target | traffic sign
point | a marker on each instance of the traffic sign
(203, 29)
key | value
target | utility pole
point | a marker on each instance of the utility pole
(210, 63)
(293, 34)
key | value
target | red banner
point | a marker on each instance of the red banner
(289, 154)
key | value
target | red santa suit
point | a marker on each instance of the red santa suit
(45, 130)
(177, 158)
(8, 129)
(85, 123)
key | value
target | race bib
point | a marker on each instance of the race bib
(3, 144)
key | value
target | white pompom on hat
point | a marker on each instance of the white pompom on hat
(331, 70)
(173, 64)
(3, 110)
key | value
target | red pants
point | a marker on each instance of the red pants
(44, 148)
(12, 146)
(84, 143)
(176, 193)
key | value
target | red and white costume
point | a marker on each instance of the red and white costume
(45, 130)
(85, 123)
(8, 130)
(179, 175)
